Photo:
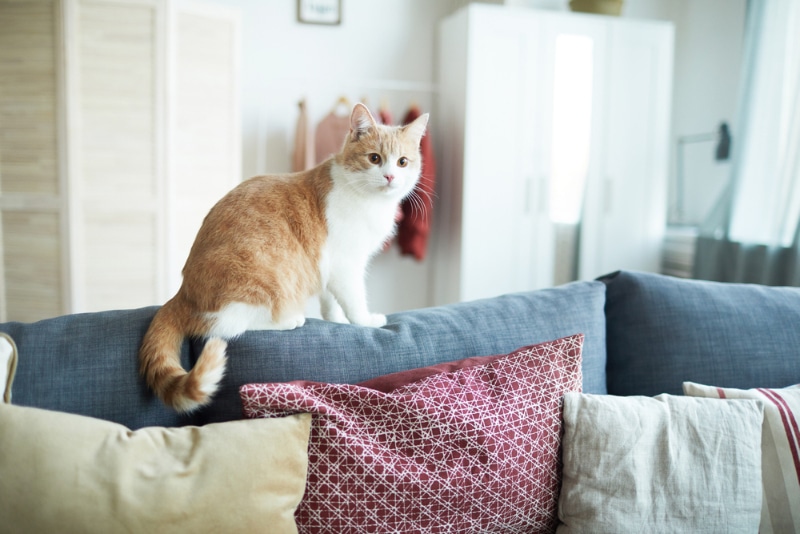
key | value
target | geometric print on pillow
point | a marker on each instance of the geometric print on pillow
(780, 449)
(473, 450)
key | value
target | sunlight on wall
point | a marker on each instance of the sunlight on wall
(572, 124)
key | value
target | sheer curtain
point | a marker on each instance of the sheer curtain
(753, 233)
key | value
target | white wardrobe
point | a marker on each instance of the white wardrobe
(554, 130)
(119, 128)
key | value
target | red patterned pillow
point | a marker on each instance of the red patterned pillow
(472, 450)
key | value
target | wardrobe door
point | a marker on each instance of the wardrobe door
(536, 262)
(625, 215)
(493, 189)
(31, 240)
(570, 79)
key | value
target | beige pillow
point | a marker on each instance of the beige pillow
(67, 473)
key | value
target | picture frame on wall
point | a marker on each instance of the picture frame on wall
(328, 12)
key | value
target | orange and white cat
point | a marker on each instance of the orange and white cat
(273, 242)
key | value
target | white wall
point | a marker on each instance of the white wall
(709, 39)
(708, 48)
(385, 50)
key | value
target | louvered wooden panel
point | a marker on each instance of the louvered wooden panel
(28, 150)
(119, 162)
(30, 234)
(119, 256)
(205, 161)
(117, 101)
(118, 121)
(32, 265)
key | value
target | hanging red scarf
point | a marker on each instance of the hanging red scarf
(412, 232)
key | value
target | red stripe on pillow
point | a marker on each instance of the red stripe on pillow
(789, 424)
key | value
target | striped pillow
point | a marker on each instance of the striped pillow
(780, 447)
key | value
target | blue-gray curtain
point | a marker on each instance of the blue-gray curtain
(717, 255)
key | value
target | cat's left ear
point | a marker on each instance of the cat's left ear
(417, 128)
(361, 121)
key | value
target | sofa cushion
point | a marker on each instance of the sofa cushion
(69, 473)
(472, 449)
(659, 465)
(88, 364)
(321, 351)
(662, 331)
(780, 510)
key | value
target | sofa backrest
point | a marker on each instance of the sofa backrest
(662, 331)
(321, 351)
(88, 363)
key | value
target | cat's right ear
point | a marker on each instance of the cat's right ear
(361, 121)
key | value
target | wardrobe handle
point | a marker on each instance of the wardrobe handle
(608, 195)
(527, 195)
(544, 194)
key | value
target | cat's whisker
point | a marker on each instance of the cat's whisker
(422, 189)
(431, 195)
(419, 208)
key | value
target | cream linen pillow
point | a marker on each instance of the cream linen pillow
(68, 473)
(664, 464)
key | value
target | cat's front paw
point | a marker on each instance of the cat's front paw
(335, 315)
(375, 320)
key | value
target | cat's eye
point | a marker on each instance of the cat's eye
(402, 162)
(374, 158)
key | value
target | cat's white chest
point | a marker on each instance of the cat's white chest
(357, 229)
(358, 226)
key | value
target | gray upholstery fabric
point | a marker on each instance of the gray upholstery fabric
(327, 352)
(662, 331)
(88, 363)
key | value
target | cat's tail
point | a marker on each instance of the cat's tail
(159, 360)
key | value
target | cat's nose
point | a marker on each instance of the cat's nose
(389, 178)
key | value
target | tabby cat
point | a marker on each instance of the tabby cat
(274, 241)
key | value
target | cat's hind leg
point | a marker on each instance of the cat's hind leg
(289, 321)
(235, 318)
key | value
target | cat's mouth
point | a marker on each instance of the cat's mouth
(388, 186)
(392, 190)
(389, 183)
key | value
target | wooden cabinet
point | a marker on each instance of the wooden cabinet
(119, 128)
(554, 131)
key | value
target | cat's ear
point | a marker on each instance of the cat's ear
(361, 121)
(416, 129)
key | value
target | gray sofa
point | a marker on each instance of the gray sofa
(644, 335)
